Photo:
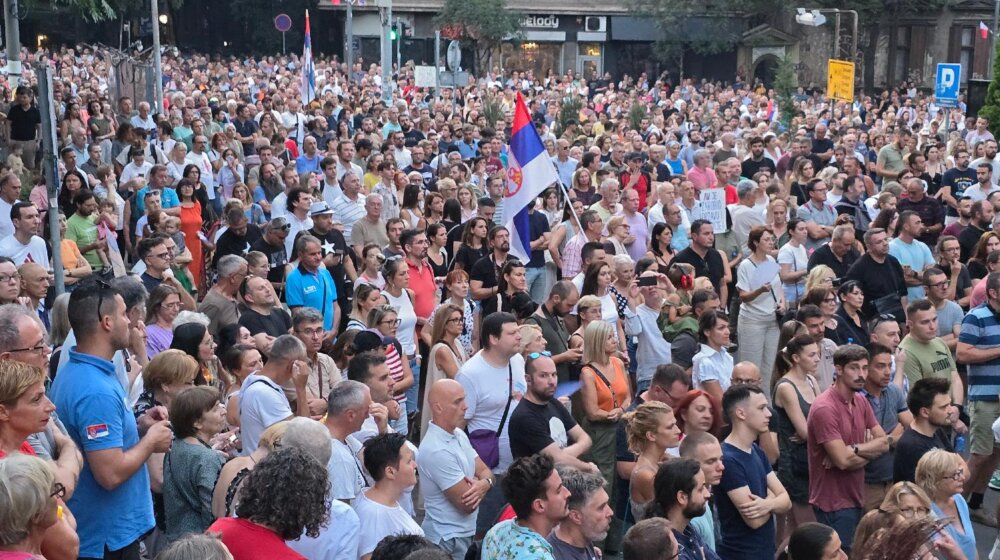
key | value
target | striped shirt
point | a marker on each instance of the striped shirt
(348, 211)
(981, 329)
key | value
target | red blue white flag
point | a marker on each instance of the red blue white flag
(307, 89)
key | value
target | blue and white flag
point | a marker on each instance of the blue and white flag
(307, 89)
(529, 172)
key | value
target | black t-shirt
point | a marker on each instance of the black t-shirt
(821, 145)
(967, 239)
(710, 267)
(23, 122)
(958, 180)
(275, 324)
(824, 255)
(539, 225)
(749, 168)
(537, 426)
(467, 257)
(231, 244)
(911, 448)
(877, 280)
(277, 258)
(485, 270)
(332, 241)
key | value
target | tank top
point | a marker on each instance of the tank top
(792, 455)
(407, 320)
(639, 511)
(616, 377)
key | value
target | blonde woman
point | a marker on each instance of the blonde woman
(467, 199)
(942, 475)
(588, 309)
(366, 297)
(225, 498)
(820, 276)
(446, 355)
(604, 395)
(650, 430)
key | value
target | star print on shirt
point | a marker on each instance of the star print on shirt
(327, 248)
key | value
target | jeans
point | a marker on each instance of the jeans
(412, 394)
(843, 521)
(456, 547)
(537, 284)
(490, 507)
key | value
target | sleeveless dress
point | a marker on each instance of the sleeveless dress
(434, 373)
(639, 511)
(191, 225)
(793, 458)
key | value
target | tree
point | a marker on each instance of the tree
(785, 84)
(480, 24)
(991, 107)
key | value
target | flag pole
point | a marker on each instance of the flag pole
(993, 42)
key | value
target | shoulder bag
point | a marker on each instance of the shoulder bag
(487, 442)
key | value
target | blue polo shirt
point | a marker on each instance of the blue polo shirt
(168, 198)
(92, 405)
(981, 329)
(312, 289)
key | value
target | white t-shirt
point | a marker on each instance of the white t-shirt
(486, 396)
(797, 257)
(347, 477)
(339, 539)
(6, 226)
(35, 249)
(379, 521)
(262, 404)
(445, 460)
(653, 350)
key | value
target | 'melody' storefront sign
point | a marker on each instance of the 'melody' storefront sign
(540, 22)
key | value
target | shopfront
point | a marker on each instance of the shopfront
(557, 43)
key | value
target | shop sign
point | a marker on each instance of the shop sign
(541, 22)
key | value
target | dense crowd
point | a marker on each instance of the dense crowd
(294, 328)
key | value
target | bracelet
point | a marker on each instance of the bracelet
(490, 481)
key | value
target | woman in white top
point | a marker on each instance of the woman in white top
(761, 300)
(393, 466)
(447, 354)
(794, 262)
(177, 163)
(712, 366)
(400, 297)
(596, 282)
(371, 264)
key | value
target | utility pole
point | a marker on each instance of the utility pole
(385, 16)
(349, 47)
(437, 63)
(13, 36)
(399, 44)
(993, 45)
(157, 66)
(49, 165)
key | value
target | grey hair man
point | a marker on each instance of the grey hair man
(262, 401)
(348, 404)
(221, 304)
(589, 515)
(307, 326)
(744, 214)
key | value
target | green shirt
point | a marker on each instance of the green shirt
(930, 360)
(84, 232)
(891, 158)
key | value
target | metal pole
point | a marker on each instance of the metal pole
(349, 47)
(836, 35)
(49, 165)
(437, 63)
(13, 37)
(283, 42)
(399, 45)
(157, 66)
(993, 45)
(854, 35)
(385, 14)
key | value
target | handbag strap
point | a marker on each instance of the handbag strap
(510, 397)
(614, 397)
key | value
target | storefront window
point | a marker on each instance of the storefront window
(590, 49)
(530, 55)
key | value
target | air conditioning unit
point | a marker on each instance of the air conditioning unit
(597, 24)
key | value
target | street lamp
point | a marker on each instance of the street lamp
(815, 18)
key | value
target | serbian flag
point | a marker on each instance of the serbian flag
(984, 31)
(529, 172)
(307, 89)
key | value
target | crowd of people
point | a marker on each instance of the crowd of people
(295, 328)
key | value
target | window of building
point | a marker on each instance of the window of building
(968, 49)
(901, 55)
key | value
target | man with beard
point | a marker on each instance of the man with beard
(484, 273)
(268, 188)
(542, 422)
(682, 494)
(852, 204)
(589, 516)
(929, 401)
(549, 317)
(878, 272)
(272, 244)
(334, 248)
(749, 492)
(889, 406)
(964, 218)
(928, 208)
(704, 448)
(261, 314)
(237, 238)
(756, 162)
(843, 437)
(955, 181)
(980, 222)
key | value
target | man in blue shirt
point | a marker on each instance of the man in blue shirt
(682, 495)
(112, 503)
(311, 285)
(159, 178)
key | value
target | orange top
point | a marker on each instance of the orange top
(619, 382)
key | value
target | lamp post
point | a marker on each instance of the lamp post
(993, 45)
(814, 18)
(157, 65)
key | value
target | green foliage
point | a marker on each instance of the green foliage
(493, 110)
(636, 113)
(481, 24)
(570, 109)
(92, 10)
(991, 107)
(785, 84)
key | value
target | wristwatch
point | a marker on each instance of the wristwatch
(855, 448)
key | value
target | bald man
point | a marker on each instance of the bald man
(454, 479)
(34, 287)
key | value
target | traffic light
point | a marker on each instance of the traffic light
(392, 33)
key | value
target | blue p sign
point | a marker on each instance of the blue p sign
(949, 79)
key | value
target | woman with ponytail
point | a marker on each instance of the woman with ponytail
(793, 389)
(813, 541)
(651, 429)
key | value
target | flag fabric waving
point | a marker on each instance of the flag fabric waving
(984, 31)
(307, 89)
(529, 172)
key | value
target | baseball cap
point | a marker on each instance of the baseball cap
(320, 208)
(366, 341)
(635, 156)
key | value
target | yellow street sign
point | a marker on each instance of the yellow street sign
(840, 80)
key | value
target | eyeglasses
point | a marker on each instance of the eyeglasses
(171, 305)
(536, 355)
(58, 491)
(910, 513)
(40, 349)
(943, 284)
(957, 476)
(456, 320)
(311, 332)
(391, 322)
(162, 256)
(4, 278)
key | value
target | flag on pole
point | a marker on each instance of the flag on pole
(307, 89)
(529, 172)
(984, 31)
